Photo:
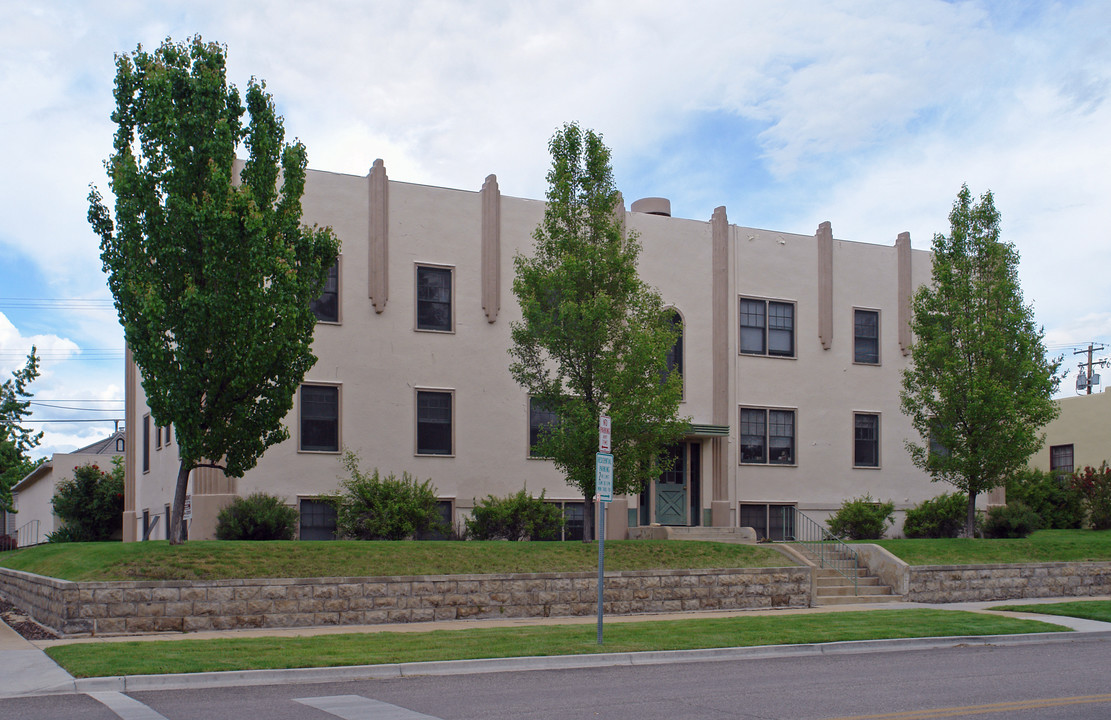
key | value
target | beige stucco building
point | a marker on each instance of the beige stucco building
(1078, 436)
(34, 518)
(791, 355)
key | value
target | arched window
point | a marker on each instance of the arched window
(675, 354)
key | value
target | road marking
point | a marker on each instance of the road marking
(985, 709)
(357, 707)
(126, 707)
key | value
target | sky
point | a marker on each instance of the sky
(867, 113)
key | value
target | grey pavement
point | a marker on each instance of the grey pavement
(29, 671)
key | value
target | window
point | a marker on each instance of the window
(326, 307)
(319, 418)
(318, 520)
(767, 436)
(771, 522)
(767, 328)
(168, 435)
(866, 337)
(1060, 459)
(434, 298)
(539, 418)
(157, 437)
(146, 443)
(675, 354)
(433, 423)
(866, 447)
(444, 508)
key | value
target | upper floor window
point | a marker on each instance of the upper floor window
(434, 298)
(539, 418)
(146, 443)
(866, 437)
(767, 436)
(1060, 458)
(326, 307)
(434, 434)
(866, 337)
(767, 327)
(319, 418)
(675, 354)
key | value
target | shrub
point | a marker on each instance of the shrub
(940, 517)
(63, 534)
(516, 517)
(862, 519)
(1095, 487)
(370, 507)
(90, 505)
(1016, 519)
(1052, 496)
(257, 517)
(7, 542)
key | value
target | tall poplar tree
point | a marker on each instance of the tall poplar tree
(16, 441)
(979, 387)
(210, 267)
(594, 338)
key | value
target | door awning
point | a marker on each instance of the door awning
(708, 431)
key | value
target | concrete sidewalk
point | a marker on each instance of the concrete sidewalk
(29, 671)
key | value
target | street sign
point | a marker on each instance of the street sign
(603, 477)
(604, 434)
(188, 514)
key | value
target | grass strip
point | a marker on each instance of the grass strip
(187, 656)
(1042, 546)
(1087, 609)
(219, 560)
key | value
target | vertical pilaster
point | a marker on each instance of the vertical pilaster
(378, 239)
(906, 290)
(719, 502)
(824, 238)
(130, 413)
(491, 248)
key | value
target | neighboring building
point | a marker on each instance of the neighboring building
(791, 355)
(32, 495)
(1077, 437)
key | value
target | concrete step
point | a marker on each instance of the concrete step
(836, 580)
(855, 599)
(839, 590)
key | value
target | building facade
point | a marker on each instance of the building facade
(791, 352)
(1078, 436)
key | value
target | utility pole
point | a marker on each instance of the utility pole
(1088, 376)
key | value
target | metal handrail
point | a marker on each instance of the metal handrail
(827, 548)
(27, 534)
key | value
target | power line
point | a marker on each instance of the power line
(80, 409)
(32, 421)
(55, 303)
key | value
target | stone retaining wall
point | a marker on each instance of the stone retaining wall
(966, 583)
(148, 606)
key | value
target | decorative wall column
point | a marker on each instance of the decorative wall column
(129, 382)
(379, 281)
(212, 492)
(719, 501)
(491, 248)
(906, 290)
(824, 238)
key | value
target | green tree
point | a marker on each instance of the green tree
(90, 504)
(15, 440)
(594, 338)
(210, 267)
(979, 386)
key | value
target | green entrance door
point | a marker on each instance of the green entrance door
(671, 490)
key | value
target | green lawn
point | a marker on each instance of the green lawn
(209, 560)
(1042, 546)
(183, 656)
(1087, 609)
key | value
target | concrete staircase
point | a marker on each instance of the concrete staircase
(832, 587)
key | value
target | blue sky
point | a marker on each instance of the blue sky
(866, 113)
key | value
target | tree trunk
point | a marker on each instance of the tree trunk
(177, 514)
(588, 519)
(970, 519)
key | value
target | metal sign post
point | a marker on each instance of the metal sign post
(603, 486)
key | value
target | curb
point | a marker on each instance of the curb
(350, 673)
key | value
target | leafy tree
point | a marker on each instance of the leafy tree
(15, 440)
(90, 504)
(594, 338)
(211, 270)
(979, 386)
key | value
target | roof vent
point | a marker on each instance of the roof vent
(653, 206)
